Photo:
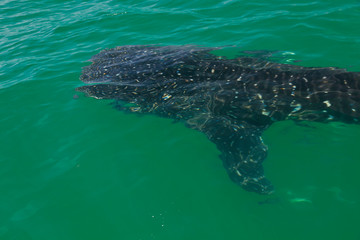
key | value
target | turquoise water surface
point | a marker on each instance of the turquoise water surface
(76, 168)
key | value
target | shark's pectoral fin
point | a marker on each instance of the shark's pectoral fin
(242, 150)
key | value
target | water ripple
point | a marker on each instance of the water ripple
(38, 38)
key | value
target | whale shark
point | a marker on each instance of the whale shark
(231, 100)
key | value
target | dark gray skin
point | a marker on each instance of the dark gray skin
(232, 101)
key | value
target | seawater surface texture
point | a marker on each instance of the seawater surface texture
(73, 167)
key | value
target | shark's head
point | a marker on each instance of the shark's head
(147, 76)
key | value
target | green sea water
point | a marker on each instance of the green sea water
(76, 168)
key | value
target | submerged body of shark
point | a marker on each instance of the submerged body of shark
(232, 101)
